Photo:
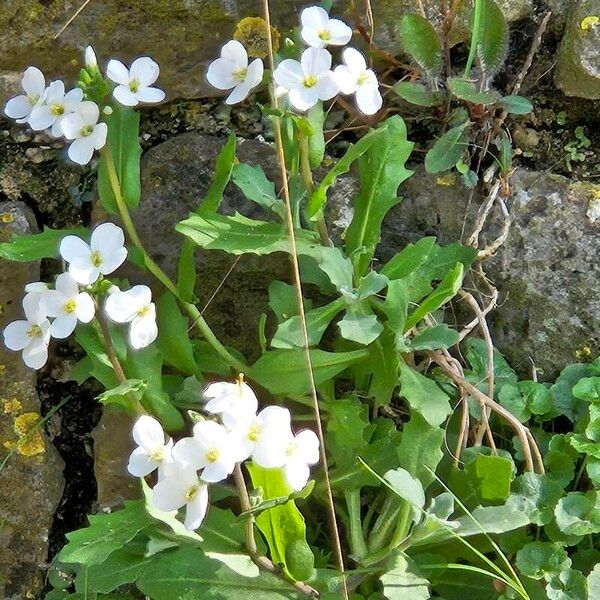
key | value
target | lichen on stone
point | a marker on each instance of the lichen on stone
(12, 406)
(30, 440)
(252, 33)
(7, 218)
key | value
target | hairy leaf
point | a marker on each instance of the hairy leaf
(421, 41)
(492, 37)
(467, 90)
(417, 93)
(448, 149)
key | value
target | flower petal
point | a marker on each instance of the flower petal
(81, 150)
(99, 135)
(18, 107)
(66, 285)
(16, 336)
(150, 95)
(63, 326)
(297, 474)
(148, 433)
(145, 70)
(312, 38)
(315, 61)
(217, 471)
(220, 74)
(125, 96)
(346, 79)
(340, 33)
(35, 311)
(106, 238)
(235, 52)
(33, 82)
(41, 117)
(73, 247)
(307, 444)
(354, 60)
(327, 86)
(83, 271)
(314, 17)
(54, 303)
(55, 93)
(303, 98)
(85, 308)
(189, 452)
(71, 125)
(89, 112)
(118, 72)
(120, 307)
(35, 354)
(196, 509)
(169, 493)
(142, 332)
(368, 99)
(140, 464)
(289, 74)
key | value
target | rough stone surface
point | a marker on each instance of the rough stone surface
(182, 35)
(578, 69)
(31, 482)
(546, 272)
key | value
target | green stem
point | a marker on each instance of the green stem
(358, 546)
(307, 178)
(380, 534)
(191, 309)
(477, 14)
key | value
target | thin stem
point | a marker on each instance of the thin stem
(358, 545)
(477, 14)
(259, 560)
(307, 178)
(300, 301)
(192, 311)
(108, 346)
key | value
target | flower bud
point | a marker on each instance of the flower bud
(90, 58)
(107, 110)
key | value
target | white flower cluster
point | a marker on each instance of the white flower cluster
(69, 114)
(187, 467)
(67, 304)
(311, 78)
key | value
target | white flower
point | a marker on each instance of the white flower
(213, 449)
(181, 487)
(34, 86)
(309, 80)
(318, 30)
(105, 253)
(232, 71)
(354, 77)
(135, 307)
(301, 451)
(91, 62)
(83, 127)
(31, 335)
(134, 83)
(235, 402)
(37, 290)
(152, 452)
(266, 437)
(54, 108)
(68, 306)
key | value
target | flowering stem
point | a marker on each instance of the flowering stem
(307, 178)
(108, 346)
(259, 560)
(192, 311)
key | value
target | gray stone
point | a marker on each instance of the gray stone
(182, 35)
(31, 481)
(578, 70)
(547, 271)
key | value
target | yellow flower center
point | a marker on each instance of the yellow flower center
(240, 74)
(87, 130)
(57, 109)
(212, 455)
(157, 454)
(291, 449)
(142, 312)
(254, 433)
(191, 493)
(33, 99)
(70, 305)
(309, 81)
(325, 35)
(134, 85)
(96, 258)
(35, 331)
(362, 79)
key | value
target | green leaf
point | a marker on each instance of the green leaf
(26, 248)
(424, 395)
(283, 301)
(578, 513)
(567, 585)
(526, 398)
(186, 270)
(173, 337)
(282, 525)
(285, 371)
(567, 404)
(409, 259)
(256, 187)
(593, 583)
(124, 146)
(467, 90)
(338, 268)
(493, 476)
(369, 285)
(420, 40)
(408, 488)
(120, 568)
(445, 291)
(420, 449)
(318, 198)
(448, 149)
(402, 580)
(477, 357)
(289, 334)
(223, 169)
(536, 495)
(188, 573)
(540, 559)
(105, 534)
(126, 394)
(360, 328)
(492, 38)
(515, 105)
(381, 171)
(240, 235)
(434, 338)
(383, 368)
(316, 141)
(417, 93)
